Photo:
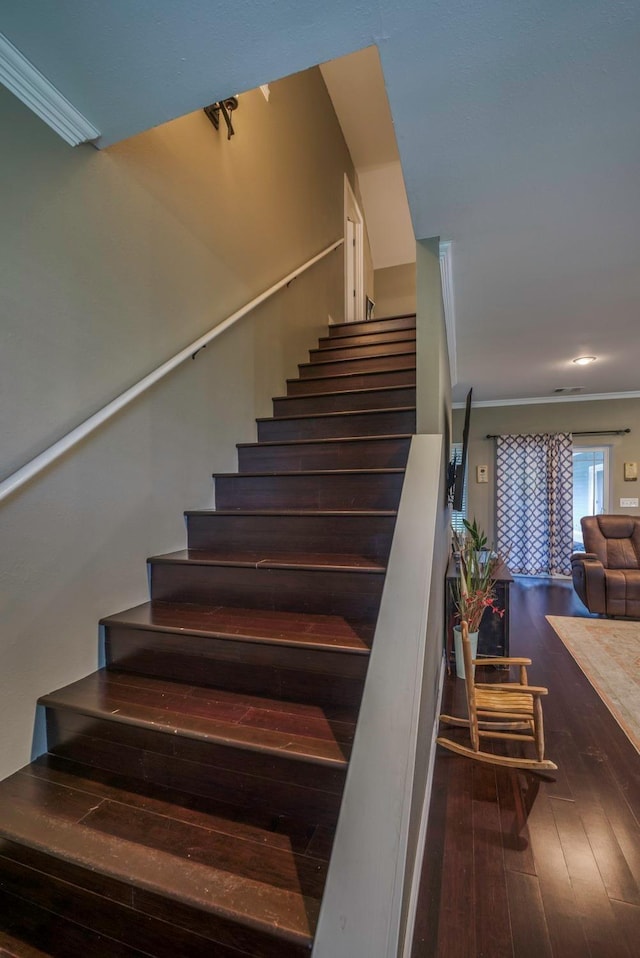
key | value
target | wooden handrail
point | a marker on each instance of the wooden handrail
(31, 469)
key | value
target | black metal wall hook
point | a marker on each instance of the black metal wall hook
(226, 107)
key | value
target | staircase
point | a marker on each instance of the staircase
(188, 800)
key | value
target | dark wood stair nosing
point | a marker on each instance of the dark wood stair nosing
(368, 322)
(287, 643)
(374, 513)
(346, 392)
(207, 738)
(207, 559)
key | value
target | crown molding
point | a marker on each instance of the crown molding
(446, 275)
(36, 92)
(539, 400)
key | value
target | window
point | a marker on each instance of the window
(457, 517)
(590, 486)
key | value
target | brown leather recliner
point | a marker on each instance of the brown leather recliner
(607, 575)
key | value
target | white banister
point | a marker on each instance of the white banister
(27, 472)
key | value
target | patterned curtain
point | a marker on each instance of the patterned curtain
(534, 490)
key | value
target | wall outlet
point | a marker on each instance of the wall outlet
(628, 503)
(482, 473)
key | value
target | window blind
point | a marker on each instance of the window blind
(457, 517)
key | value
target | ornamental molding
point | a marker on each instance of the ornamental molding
(29, 85)
(539, 400)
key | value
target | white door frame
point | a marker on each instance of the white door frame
(353, 256)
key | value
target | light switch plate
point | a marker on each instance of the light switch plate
(628, 503)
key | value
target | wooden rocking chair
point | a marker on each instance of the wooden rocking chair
(507, 710)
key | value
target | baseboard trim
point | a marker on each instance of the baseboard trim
(422, 834)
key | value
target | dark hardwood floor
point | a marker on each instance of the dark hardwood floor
(517, 865)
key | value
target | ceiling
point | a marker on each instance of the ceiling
(356, 86)
(517, 124)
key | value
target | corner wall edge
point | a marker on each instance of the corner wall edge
(446, 274)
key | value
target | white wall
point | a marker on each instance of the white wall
(550, 417)
(395, 290)
(109, 263)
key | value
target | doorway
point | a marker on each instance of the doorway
(353, 257)
(590, 486)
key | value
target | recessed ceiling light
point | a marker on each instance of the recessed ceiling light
(584, 360)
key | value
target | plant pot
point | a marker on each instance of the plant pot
(457, 644)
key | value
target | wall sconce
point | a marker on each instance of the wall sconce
(226, 107)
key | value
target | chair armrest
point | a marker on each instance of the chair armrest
(501, 660)
(512, 687)
(589, 581)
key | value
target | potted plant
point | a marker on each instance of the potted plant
(477, 537)
(474, 588)
(476, 534)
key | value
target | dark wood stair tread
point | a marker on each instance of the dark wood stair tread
(339, 415)
(345, 392)
(407, 337)
(249, 722)
(291, 512)
(297, 629)
(346, 376)
(355, 359)
(27, 931)
(310, 472)
(364, 323)
(280, 832)
(265, 559)
(200, 866)
(334, 344)
(365, 337)
(320, 439)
